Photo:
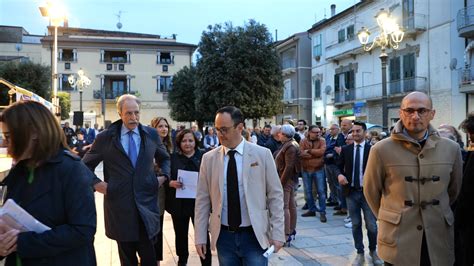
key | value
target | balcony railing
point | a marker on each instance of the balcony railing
(415, 22)
(112, 94)
(465, 19)
(288, 63)
(336, 50)
(345, 95)
(466, 79)
(397, 87)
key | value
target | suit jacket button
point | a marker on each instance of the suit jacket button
(419, 227)
(422, 156)
(218, 216)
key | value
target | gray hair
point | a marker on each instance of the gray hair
(125, 98)
(288, 130)
(275, 129)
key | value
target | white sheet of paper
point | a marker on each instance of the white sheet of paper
(16, 217)
(189, 180)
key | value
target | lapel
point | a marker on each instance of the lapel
(350, 156)
(219, 170)
(247, 160)
(366, 156)
(143, 142)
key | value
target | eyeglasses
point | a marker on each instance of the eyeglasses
(420, 111)
(224, 130)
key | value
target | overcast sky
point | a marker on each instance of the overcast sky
(186, 18)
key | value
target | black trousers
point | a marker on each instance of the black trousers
(144, 247)
(181, 229)
(159, 242)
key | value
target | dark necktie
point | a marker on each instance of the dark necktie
(357, 168)
(233, 198)
(132, 148)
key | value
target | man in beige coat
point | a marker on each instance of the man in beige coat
(410, 181)
(239, 197)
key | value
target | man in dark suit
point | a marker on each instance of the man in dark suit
(89, 134)
(352, 163)
(130, 187)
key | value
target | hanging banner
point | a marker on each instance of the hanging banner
(26, 95)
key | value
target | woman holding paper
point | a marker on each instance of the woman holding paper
(188, 159)
(51, 184)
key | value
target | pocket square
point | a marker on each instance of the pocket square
(254, 164)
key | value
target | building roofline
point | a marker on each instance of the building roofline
(155, 42)
(108, 33)
(320, 24)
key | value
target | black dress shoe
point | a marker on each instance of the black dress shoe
(305, 207)
(308, 214)
(340, 213)
(323, 218)
(331, 204)
(337, 208)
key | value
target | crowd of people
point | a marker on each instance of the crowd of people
(411, 186)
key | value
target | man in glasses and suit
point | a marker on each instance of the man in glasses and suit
(410, 182)
(239, 197)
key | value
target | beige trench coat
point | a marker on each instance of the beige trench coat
(407, 207)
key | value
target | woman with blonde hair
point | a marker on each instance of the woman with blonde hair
(51, 184)
(163, 127)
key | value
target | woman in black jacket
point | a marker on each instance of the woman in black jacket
(188, 157)
(51, 184)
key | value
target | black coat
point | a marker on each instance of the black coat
(346, 163)
(181, 207)
(132, 193)
(60, 197)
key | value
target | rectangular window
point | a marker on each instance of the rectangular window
(394, 75)
(68, 55)
(165, 83)
(350, 32)
(317, 48)
(408, 12)
(165, 58)
(287, 95)
(409, 72)
(344, 86)
(341, 35)
(65, 86)
(115, 87)
(317, 89)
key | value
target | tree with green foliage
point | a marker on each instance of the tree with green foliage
(181, 99)
(28, 75)
(238, 66)
(65, 104)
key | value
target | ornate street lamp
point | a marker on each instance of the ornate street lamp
(390, 36)
(56, 16)
(80, 83)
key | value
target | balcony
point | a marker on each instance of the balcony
(344, 96)
(288, 66)
(394, 88)
(466, 80)
(465, 19)
(415, 24)
(336, 51)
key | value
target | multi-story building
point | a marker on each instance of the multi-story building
(117, 63)
(16, 44)
(465, 24)
(295, 60)
(347, 81)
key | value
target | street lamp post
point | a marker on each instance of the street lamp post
(80, 83)
(390, 37)
(56, 15)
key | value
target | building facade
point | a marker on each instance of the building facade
(117, 63)
(17, 44)
(465, 25)
(347, 81)
(295, 60)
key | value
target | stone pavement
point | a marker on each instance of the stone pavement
(316, 243)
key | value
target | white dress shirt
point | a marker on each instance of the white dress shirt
(361, 163)
(243, 204)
